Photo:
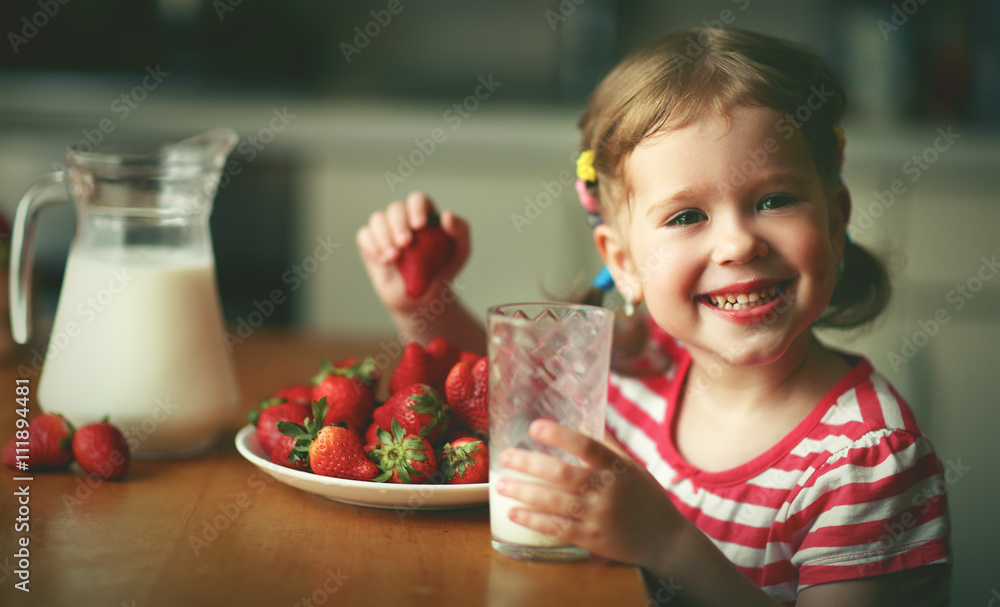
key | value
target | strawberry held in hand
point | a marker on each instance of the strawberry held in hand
(403, 457)
(428, 252)
(101, 450)
(48, 442)
(334, 451)
(468, 393)
(348, 393)
(418, 408)
(465, 461)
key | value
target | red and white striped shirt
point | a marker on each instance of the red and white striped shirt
(855, 490)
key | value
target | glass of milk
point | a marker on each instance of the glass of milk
(546, 361)
(138, 331)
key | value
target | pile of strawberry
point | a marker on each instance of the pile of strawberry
(52, 443)
(432, 429)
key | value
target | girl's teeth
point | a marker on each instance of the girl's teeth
(744, 301)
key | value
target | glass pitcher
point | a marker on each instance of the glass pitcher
(138, 331)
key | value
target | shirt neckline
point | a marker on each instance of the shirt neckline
(859, 371)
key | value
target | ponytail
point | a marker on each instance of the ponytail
(862, 293)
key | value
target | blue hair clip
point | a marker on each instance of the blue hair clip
(603, 280)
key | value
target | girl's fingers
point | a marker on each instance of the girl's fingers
(380, 237)
(399, 225)
(543, 498)
(560, 527)
(547, 468)
(590, 451)
(418, 206)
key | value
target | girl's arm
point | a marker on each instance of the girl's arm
(438, 312)
(614, 507)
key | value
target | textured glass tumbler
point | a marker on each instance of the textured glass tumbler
(547, 361)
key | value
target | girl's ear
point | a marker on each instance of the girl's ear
(840, 215)
(611, 246)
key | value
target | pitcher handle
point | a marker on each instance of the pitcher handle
(50, 189)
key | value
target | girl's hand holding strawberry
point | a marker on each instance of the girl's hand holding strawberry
(411, 270)
(389, 232)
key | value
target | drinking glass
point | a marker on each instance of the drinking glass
(546, 361)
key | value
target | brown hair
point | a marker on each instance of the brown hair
(675, 80)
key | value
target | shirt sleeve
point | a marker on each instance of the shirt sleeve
(877, 506)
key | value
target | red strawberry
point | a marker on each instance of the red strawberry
(465, 461)
(415, 367)
(469, 357)
(275, 444)
(371, 379)
(419, 410)
(371, 434)
(403, 457)
(443, 357)
(456, 432)
(468, 393)
(101, 450)
(348, 393)
(47, 442)
(330, 450)
(298, 394)
(427, 253)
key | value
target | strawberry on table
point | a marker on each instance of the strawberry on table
(465, 461)
(467, 390)
(403, 457)
(415, 367)
(419, 409)
(50, 444)
(101, 450)
(348, 393)
(334, 451)
(428, 252)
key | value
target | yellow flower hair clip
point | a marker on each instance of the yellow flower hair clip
(585, 166)
(841, 142)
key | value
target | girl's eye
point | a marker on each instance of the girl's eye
(686, 218)
(776, 201)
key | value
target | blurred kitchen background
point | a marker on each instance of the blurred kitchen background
(363, 85)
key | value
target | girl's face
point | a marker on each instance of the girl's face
(730, 235)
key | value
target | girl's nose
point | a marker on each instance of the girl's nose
(737, 243)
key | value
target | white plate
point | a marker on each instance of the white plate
(361, 493)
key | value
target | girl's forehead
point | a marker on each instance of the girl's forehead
(745, 141)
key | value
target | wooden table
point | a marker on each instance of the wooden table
(130, 543)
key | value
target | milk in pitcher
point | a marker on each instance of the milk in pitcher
(143, 333)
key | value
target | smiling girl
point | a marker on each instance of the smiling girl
(756, 466)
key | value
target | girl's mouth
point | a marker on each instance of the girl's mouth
(752, 305)
(747, 300)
